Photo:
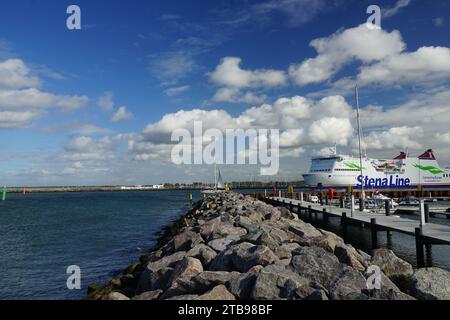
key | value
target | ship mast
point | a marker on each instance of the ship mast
(361, 197)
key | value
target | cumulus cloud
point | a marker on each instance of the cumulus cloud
(302, 122)
(21, 100)
(15, 74)
(122, 114)
(341, 48)
(231, 78)
(230, 74)
(424, 65)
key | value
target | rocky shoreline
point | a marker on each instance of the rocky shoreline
(232, 247)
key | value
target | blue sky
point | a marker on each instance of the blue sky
(87, 106)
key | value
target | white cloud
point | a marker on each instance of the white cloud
(231, 78)
(229, 74)
(106, 101)
(14, 74)
(339, 49)
(122, 114)
(422, 66)
(21, 101)
(394, 138)
(234, 95)
(392, 11)
(301, 123)
(87, 149)
(330, 129)
(171, 92)
(12, 119)
(33, 98)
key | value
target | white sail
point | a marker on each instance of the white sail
(219, 184)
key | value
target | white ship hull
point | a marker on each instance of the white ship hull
(400, 173)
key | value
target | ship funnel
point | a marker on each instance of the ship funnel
(427, 155)
(401, 156)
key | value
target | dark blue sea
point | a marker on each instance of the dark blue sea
(42, 234)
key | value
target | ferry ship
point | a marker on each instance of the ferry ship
(401, 172)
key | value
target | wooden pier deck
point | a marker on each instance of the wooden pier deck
(425, 235)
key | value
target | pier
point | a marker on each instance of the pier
(425, 234)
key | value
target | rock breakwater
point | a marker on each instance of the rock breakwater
(231, 247)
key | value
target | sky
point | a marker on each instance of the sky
(97, 106)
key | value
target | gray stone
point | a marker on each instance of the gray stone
(316, 264)
(186, 240)
(349, 283)
(202, 252)
(431, 284)
(184, 297)
(220, 244)
(276, 282)
(241, 285)
(208, 279)
(398, 270)
(285, 250)
(348, 255)
(117, 296)
(219, 292)
(148, 295)
(244, 256)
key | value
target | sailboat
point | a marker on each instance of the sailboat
(218, 182)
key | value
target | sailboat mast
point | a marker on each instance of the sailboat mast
(359, 140)
(215, 175)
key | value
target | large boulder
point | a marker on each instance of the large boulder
(219, 292)
(117, 296)
(202, 252)
(244, 257)
(431, 284)
(227, 230)
(300, 230)
(284, 251)
(241, 285)
(398, 270)
(208, 227)
(221, 244)
(186, 240)
(208, 279)
(276, 282)
(348, 255)
(157, 273)
(181, 278)
(316, 264)
(349, 284)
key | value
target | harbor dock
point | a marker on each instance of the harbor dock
(426, 234)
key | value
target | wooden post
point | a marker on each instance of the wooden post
(301, 196)
(427, 212)
(325, 216)
(429, 255)
(341, 202)
(327, 201)
(310, 212)
(419, 248)
(299, 208)
(291, 207)
(373, 229)
(387, 207)
(344, 225)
